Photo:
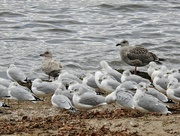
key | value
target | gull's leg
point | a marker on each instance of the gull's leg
(135, 70)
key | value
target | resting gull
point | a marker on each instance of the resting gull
(173, 91)
(127, 76)
(89, 79)
(50, 66)
(109, 70)
(60, 100)
(122, 97)
(105, 82)
(16, 74)
(135, 55)
(43, 88)
(148, 103)
(21, 93)
(84, 100)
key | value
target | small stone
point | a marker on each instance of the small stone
(134, 124)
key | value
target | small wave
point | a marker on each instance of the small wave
(131, 7)
(10, 14)
(106, 6)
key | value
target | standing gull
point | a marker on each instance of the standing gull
(50, 66)
(135, 55)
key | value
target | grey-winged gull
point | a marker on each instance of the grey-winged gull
(105, 82)
(174, 73)
(50, 66)
(122, 97)
(135, 55)
(148, 103)
(105, 67)
(84, 100)
(16, 74)
(173, 91)
(60, 100)
(89, 79)
(160, 83)
(21, 93)
(43, 88)
(127, 76)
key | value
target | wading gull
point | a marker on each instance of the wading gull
(148, 103)
(50, 66)
(135, 55)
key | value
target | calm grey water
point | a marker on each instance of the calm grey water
(81, 33)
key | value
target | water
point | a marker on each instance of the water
(82, 33)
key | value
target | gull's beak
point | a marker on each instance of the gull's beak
(119, 44)
(41, 55)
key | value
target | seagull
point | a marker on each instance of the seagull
(109, 70)
(21, 93)
(50, 66)
(122, 97)
(148, 103)
(127, 76)
(105, 82)
(84, 100)
(43, 88)
(160, 83)
(89, 79)
(159, 95)
(66, 78)
(151, 68)
(16, 74)
(135, 55)
(61, 101)
(173, 91)
(160, 70)
(174, 73)
(5, 82)
(4, 92)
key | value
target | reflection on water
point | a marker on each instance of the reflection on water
(82, 33)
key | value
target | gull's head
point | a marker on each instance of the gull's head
(127, 73)
(172, 83)
(174, 70)
(142, 86)
(123, 43)
(46, 54)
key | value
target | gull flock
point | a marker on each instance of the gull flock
(100, 88)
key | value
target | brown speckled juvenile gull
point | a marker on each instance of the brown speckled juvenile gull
(135, 55)
(50, 66)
